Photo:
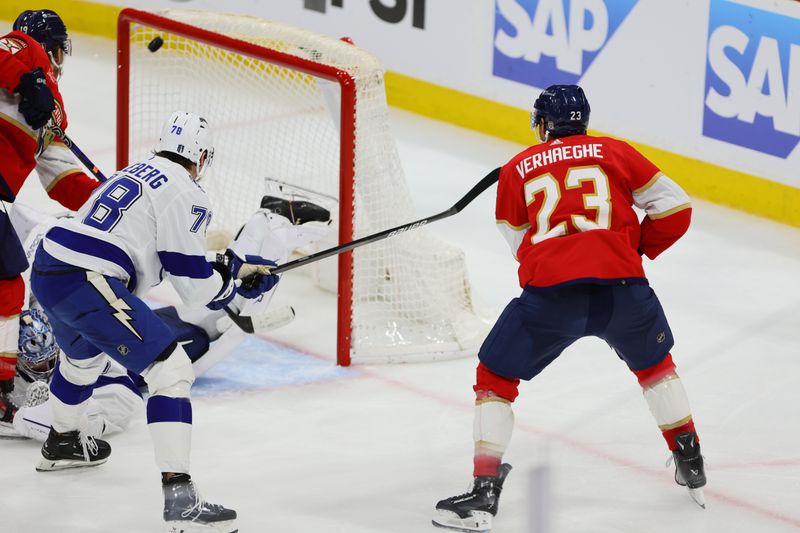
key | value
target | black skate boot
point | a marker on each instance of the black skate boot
(7, 411)
(71, 450)
(689, 469)
(297, 211)
(474, 510)
(185, 511)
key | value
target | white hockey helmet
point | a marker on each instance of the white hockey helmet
(188, 135)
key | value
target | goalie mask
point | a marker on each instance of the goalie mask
(189, 136)
(38, 350)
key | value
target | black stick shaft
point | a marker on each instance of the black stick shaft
(481, 186)
(85, 161)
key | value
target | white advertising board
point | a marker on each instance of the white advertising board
(715, 80)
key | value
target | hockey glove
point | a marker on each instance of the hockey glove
(253, 285)
(37, 100)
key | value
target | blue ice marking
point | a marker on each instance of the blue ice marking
(259, 364)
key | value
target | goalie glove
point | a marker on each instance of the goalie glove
(252, 286)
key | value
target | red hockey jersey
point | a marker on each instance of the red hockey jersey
(22, 148)
(566, 209)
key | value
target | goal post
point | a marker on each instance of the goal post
(310, 110)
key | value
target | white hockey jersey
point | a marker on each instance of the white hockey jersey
(149, 219)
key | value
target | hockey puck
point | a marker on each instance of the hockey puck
(155, 44)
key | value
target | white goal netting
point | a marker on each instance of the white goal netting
(410, 294)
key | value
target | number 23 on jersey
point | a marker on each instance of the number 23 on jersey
(554, 210)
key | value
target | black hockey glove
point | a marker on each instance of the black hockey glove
(37, 100)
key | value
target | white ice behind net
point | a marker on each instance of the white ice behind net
(411, 295)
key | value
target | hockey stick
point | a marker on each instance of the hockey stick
(488, 180)
(263, 322)
(58, 132)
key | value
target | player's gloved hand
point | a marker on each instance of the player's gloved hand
(37, 100)
(229, 266)
(252, 285)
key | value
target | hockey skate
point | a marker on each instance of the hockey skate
(185, 511)
(72, 450)
(7, 412)
(689, 469)
(473, 511)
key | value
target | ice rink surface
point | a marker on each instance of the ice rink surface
(296, 444)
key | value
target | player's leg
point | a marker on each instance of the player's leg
(640, 333)
(526, 338)
(140, 341)
(12, 296)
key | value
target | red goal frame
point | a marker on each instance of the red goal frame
(127, 17)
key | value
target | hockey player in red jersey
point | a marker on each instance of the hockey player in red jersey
(566, 208)
(31, 61)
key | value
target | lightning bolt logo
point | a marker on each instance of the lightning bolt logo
(123, 317)
(118, 304)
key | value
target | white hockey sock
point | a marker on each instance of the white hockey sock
(172, 442)
(493, 424)
(71, 388)
(668, 402)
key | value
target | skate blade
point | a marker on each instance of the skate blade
(698, 497)
(477, 522)
(48, 465)
(183, 526)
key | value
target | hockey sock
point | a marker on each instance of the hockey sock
(494, 421)
(71, 387)
(169, 410)
(170, 423)
(667, 399)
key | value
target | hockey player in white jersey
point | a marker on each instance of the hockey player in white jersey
(147, 221)
(287, 220)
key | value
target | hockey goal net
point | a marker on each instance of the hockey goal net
(311, 111)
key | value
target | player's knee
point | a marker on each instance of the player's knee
(488, 383)
(171, 376)
(82, 371)
(655, 373)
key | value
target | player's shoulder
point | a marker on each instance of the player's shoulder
(26, 49)
(612, 143)
(161, 177)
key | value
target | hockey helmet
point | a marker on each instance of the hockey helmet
(37, 345)
(47, 28)
(564, 110)
(189, 136)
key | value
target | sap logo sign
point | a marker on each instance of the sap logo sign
(752, 89)
(542, 42)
